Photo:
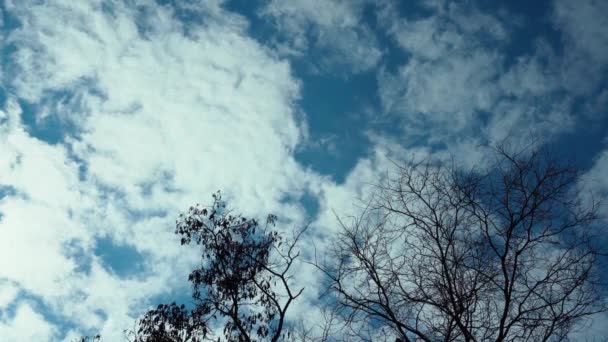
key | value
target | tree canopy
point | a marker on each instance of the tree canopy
(243, 282)
(505, 252)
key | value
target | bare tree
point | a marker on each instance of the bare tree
(503, 253)
(326, 326)
(243, 283)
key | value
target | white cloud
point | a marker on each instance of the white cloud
(595, 178)
(583, 24)
(26, 325)
(448, 30)
(449, 91)
(594, 186)
(163, 117)
(47, 211)
(165, 113)
(451, 71)
(334, 27)
(8, 293)
(460, 81)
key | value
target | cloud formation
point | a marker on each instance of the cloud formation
(333, 32)
(155, 116)
(117, 115)
(461, 74)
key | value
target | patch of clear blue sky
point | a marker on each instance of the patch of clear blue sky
(336, 103)
(121, 259)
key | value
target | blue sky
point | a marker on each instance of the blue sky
(117, 115)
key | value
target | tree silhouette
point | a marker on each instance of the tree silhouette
(504, 253)
(242, 286)
(507, 252)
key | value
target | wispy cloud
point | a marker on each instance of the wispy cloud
(333, 32)
(585, 50)
(461, 74)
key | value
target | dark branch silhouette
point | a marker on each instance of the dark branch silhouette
(242, 287)
(507, 252)
(504, 253)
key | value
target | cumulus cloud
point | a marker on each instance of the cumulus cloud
(161, 113)
(27, 325)
(460, 75)
(333, 31)
(595, 186)
(595, 177)
(585, 40)
(157, 106)
(452, 68)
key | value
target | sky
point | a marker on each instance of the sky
(115, 116)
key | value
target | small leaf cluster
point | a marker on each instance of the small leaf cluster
(233, 286)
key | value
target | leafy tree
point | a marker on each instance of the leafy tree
(507, 252)
(504, 253)
(243, 283)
